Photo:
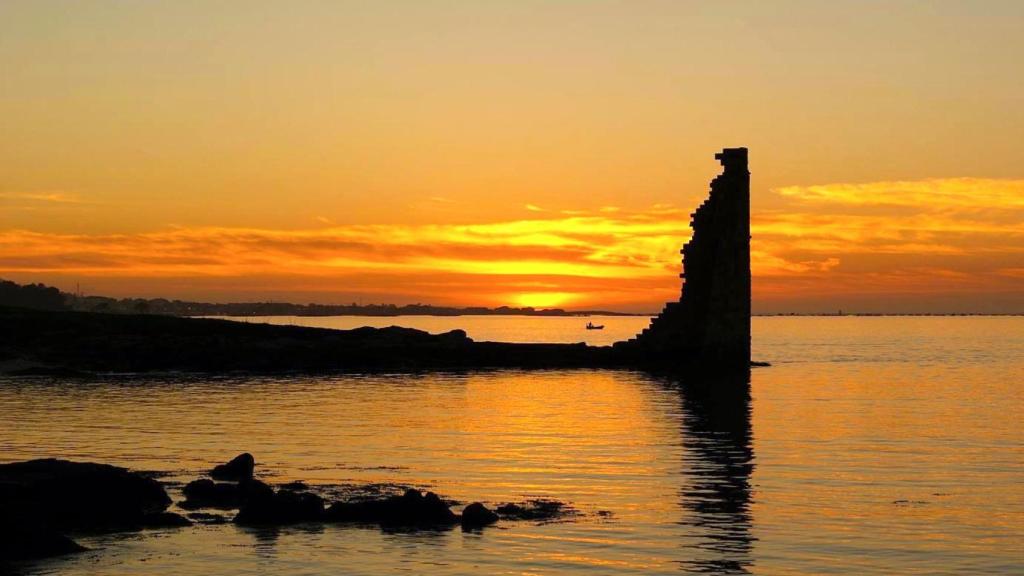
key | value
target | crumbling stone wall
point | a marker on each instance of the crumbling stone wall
(710, 323)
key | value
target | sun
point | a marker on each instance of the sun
(543, 299)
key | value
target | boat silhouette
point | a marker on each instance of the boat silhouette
(592, 326)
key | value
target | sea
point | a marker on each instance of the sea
(871, 445)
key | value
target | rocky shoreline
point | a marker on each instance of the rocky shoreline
(83, 344)
(35, 342)
(45, 504)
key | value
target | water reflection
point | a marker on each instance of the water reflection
(718, 459)
(265, 540)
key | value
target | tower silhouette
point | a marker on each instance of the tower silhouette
(710, 323)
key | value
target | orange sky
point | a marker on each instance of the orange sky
(528, 153)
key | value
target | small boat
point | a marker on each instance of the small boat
(592, 326)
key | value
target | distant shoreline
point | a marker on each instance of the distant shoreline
(541, 314)
(537, 313)
(42, 297)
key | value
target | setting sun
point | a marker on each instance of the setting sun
(544, 299)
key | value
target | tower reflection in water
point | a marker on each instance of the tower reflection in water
(719, 459)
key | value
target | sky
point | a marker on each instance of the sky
(512, 153)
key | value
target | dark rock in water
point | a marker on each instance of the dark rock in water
(239, 468)
(281, 507)
(512, 511)
(296, 486)
(252, 489)
(79, 496)
(476, 515)
(204, 493)
(534, 510)
(41, 499)
(410, 509)
(165, 520)
(26, 539)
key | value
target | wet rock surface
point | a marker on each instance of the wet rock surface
(80, 496)
(26, 539)
(537, 509)
(281, 507)
(205, 493)
(41, 501)
(164, 520)
(476, 515)
(413, 508)
(239, 468)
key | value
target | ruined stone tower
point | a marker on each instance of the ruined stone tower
(710, 323)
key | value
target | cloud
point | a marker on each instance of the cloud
(959, 239)
(830, 242)
(35, 200)
(930, 194)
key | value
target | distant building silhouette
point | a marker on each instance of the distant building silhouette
(710, 323)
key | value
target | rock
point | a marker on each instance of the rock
(26, 539)
(165, 520)
(476, 515)
(410, 509)
(239, 468)
(79, 496)
(281, 507)
(534, 510)
(510, 510)
(296, 486)
(252, 489)
(204, 493)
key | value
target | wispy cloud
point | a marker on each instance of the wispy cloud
(926, 195)
(41, 198)
(830, 241)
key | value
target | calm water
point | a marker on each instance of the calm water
(493, 328)
(871, 446)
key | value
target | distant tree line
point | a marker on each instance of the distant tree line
(49, 298)
(185, 308)
(37, 296)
